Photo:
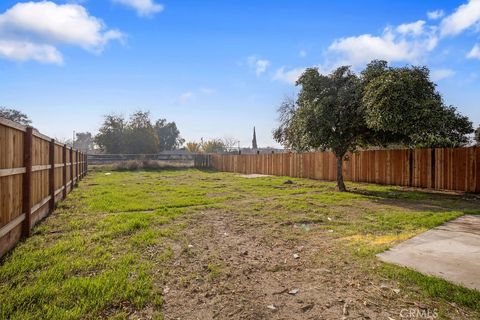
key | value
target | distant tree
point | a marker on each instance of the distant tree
(168, 135)
(15, 115)
(230, 144)
(214, 146)
(84, 141)
(140, 135)
(477, 136)
(111, 136)
(194, 147)
(405, 102)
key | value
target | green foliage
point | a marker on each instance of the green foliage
(111, 135)
(193, 146)
(15, 115)
(140, 135)
(405, 102)
(383, 106)
(84, 141)
(168, 135)
(137, 135)
(477, 136)
(213, 146)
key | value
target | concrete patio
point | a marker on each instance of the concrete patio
(450, 251)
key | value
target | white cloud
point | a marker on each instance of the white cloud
(302, 53)
(186, 97)
(260, 65)
(207, 91)
(439, 74)
(466, 16)
(392, 46)
(288, 76)
(475, 52)
(436, 14)
(23, 51)
(415, 28)
(144, 8)
(33, 30)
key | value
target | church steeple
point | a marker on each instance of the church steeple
(254, 140)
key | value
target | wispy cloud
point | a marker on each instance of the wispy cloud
(474, 53)
(186, 97)
(465, 16)
(435, 14)
(33, 30)
(440, 74)
(259, 65)
(302, 53)
(144, 8)
(288, 76)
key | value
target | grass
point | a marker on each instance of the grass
(96, 255)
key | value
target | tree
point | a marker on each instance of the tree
(193, 146)
(405, 102)
(168, 135)
(111, 136)
(477, 136)
(140, 135)
(15, 115)
(213, 146)
(328, 114)
(84, 141)
(383, 106)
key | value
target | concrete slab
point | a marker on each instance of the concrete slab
(450, 251)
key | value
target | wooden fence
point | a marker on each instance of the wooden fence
(443, 169)
(35, 173)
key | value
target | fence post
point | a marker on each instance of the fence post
(64, 171)
(51, 175)
(71, 168)
(86, 163)
(77, 159)
(27, 182)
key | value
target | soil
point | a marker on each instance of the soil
(238, 266)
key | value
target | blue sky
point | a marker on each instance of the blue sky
(217, 68)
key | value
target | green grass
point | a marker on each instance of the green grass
(95, 256)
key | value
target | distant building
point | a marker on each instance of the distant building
(254, 140)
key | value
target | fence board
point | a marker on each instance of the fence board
(29, 180)
(455, 169)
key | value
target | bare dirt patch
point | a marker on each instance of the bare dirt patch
(237, 266)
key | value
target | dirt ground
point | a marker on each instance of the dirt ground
(234, 266)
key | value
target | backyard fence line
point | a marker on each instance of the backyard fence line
(35, 173)
(456, 169)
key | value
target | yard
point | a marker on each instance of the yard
(193, 244)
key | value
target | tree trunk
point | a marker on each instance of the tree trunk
(340, 183)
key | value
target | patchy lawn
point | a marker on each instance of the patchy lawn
(190, 244)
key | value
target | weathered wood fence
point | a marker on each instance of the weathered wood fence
(442, 169)
(35, 173)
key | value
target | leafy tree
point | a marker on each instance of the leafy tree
(140, 135)
(405, 102)
(477, 136)
(168, 135)
(213, 146)
(383, 106)
(15, 115)
(194, 147)
(111, 136)
(328, 114)
(84, 141)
